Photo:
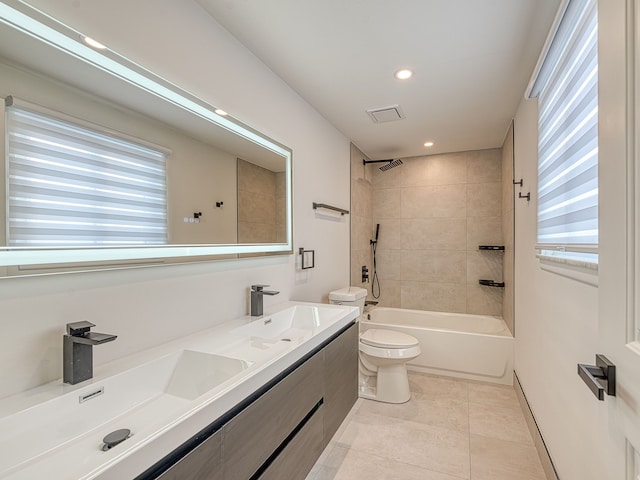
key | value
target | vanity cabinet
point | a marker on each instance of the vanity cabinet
(299, 456)
(281, 433)
(340, 380)
(254, 434)
(203, 463)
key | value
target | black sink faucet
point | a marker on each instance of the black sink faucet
(77, 351)
(257, 293)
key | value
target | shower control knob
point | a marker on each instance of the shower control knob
(365, 274)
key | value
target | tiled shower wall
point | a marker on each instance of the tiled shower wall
(433, 213)
(508, 229)
(261, 204)
(361, 218)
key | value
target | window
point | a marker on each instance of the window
(567, 91)
(70, 183)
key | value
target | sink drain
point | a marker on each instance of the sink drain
(285, 339)
(115, 437)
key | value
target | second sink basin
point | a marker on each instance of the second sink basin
(195, 373)
(293, 322)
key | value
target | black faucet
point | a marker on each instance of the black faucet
(257, 293)
(77, 349)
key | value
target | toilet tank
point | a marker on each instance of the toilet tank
(352, 296)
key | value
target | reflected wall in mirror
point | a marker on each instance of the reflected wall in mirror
(222, 188)
(261, 204)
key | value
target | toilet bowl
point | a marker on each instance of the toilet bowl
(382, 370)
(383, 355)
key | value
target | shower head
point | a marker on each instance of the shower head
(389, 163)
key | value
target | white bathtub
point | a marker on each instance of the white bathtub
(475, 347)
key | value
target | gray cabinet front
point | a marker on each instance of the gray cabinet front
(299, 456)
(202, 463)
(254, 434)
(340, 380)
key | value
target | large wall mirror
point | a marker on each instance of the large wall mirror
(107, 163)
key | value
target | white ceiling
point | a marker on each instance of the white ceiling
(472, 61)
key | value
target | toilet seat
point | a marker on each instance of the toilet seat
(387, 339)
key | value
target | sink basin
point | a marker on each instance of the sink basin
(135, 398)
(292, 323)
(195, 373)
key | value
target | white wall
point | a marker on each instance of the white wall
(149, 306)
(556, 328)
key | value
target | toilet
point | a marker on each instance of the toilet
(383, 354)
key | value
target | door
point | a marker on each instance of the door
(619, 234)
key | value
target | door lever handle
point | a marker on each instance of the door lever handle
(600, 377)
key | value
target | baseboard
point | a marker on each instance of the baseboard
(543, 453)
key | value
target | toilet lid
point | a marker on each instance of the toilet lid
(387, 339)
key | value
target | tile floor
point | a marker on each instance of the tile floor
(450, 430)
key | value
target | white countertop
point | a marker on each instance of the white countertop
(159, 423)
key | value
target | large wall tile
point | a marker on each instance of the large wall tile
(389, 292)
(386, 203)
(361, 228)
(361, 198)
(359, 258)
(445, 201)
(387, 179)
(444, 169)
(484, 265)
(388, 264)
(482, 300)
(484, 166)
(434, 233)
(390, 234)
(484, 231)
(434, 265)
(256, 232)
(439, 297)
(484, 199)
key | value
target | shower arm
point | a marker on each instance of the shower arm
(364, 162)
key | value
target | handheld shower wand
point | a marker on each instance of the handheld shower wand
(374, 279)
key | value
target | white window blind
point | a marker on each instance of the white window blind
(72, 185)
(567, 90)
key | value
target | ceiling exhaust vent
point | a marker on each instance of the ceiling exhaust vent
(386, 114)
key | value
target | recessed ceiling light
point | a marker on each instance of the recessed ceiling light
(403, 74)
(428, 144)
(93, 43)
(221, 112)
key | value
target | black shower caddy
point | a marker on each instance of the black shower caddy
(491, 283)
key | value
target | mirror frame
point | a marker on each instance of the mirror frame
(25, 261)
